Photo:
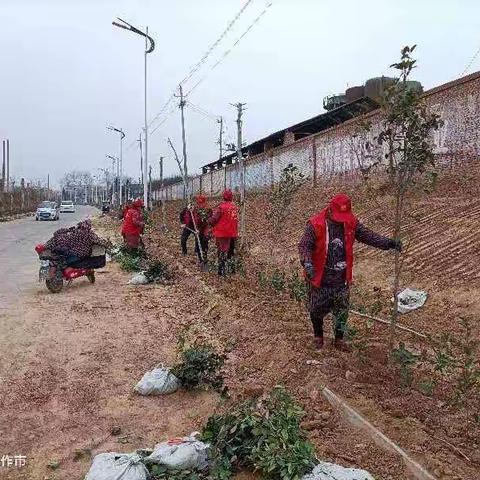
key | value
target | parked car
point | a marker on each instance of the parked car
(47, 211)
(67, 206)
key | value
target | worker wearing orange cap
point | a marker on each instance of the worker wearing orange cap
(133, 225)
(326, 254)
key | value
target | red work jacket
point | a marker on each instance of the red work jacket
(132, 222)
(319, 254)
(227, 225)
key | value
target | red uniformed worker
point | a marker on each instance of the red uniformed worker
(133, 225)
(225, 230)
(326, 254)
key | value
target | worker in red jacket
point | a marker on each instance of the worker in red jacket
(133, 225)
(326, 254)
(225, 230)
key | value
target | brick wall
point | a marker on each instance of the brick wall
(335, 151)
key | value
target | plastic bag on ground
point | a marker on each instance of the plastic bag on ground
(409, 300)
(331, 471)
(158, 381)
(139, 279)
(185, 453)
(117, 466)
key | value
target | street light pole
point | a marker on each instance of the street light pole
(148, 49)
(120, 163)
(114, 160)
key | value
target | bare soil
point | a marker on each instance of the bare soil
(68, 374)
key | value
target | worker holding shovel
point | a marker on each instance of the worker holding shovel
(326, 254)
(200, 215)
(195, 221)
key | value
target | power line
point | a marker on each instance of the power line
(227, 52)
(467, 68)
(194, 68)
(202, 111)
(197, 66)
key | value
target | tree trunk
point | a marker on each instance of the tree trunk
(397, 264)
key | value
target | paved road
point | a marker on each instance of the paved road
(18, 259)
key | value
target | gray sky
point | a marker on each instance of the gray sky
(66, 71)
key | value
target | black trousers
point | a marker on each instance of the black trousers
(186, 232)
(325, 300)
(224, 257)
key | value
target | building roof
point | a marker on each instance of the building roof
(303, 129)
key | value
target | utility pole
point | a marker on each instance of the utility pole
(3, 167)
(149, 185)
(220, 154)
(220, 138)
(239, 106)
(8, 165)
(162, 200)
(185, 169)
(141, 156)
(48, 186)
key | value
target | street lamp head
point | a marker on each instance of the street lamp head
(119, 130)
(126, 26)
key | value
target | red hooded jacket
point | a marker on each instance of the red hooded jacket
(319, 254)
(227, 224)
(133, 222)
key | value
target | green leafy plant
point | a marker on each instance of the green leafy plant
(200, 367)
(427, 387)
(160, 472)
(467, 363)
(405, 359)
(278, 281)
(263, 435)
(283, 194)
(158, 271)
(130, 260)
(297, 287)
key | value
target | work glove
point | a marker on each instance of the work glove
(310, 272)
(396, 245)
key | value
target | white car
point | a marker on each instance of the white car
(47, 211)
(67, 206)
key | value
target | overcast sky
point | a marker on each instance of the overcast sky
(66, 72)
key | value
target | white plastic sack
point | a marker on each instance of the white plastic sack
(186, 453)
(117, 466)
(331, 471)
(158, 381)
(139, 279)
(409, 300)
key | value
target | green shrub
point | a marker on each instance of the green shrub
(297, 287)
(158, 271)
(130, 260)
(405, 360)
(160, 472)
(263, 435)
(200, 367)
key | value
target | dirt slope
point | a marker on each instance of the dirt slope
(272, 338)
